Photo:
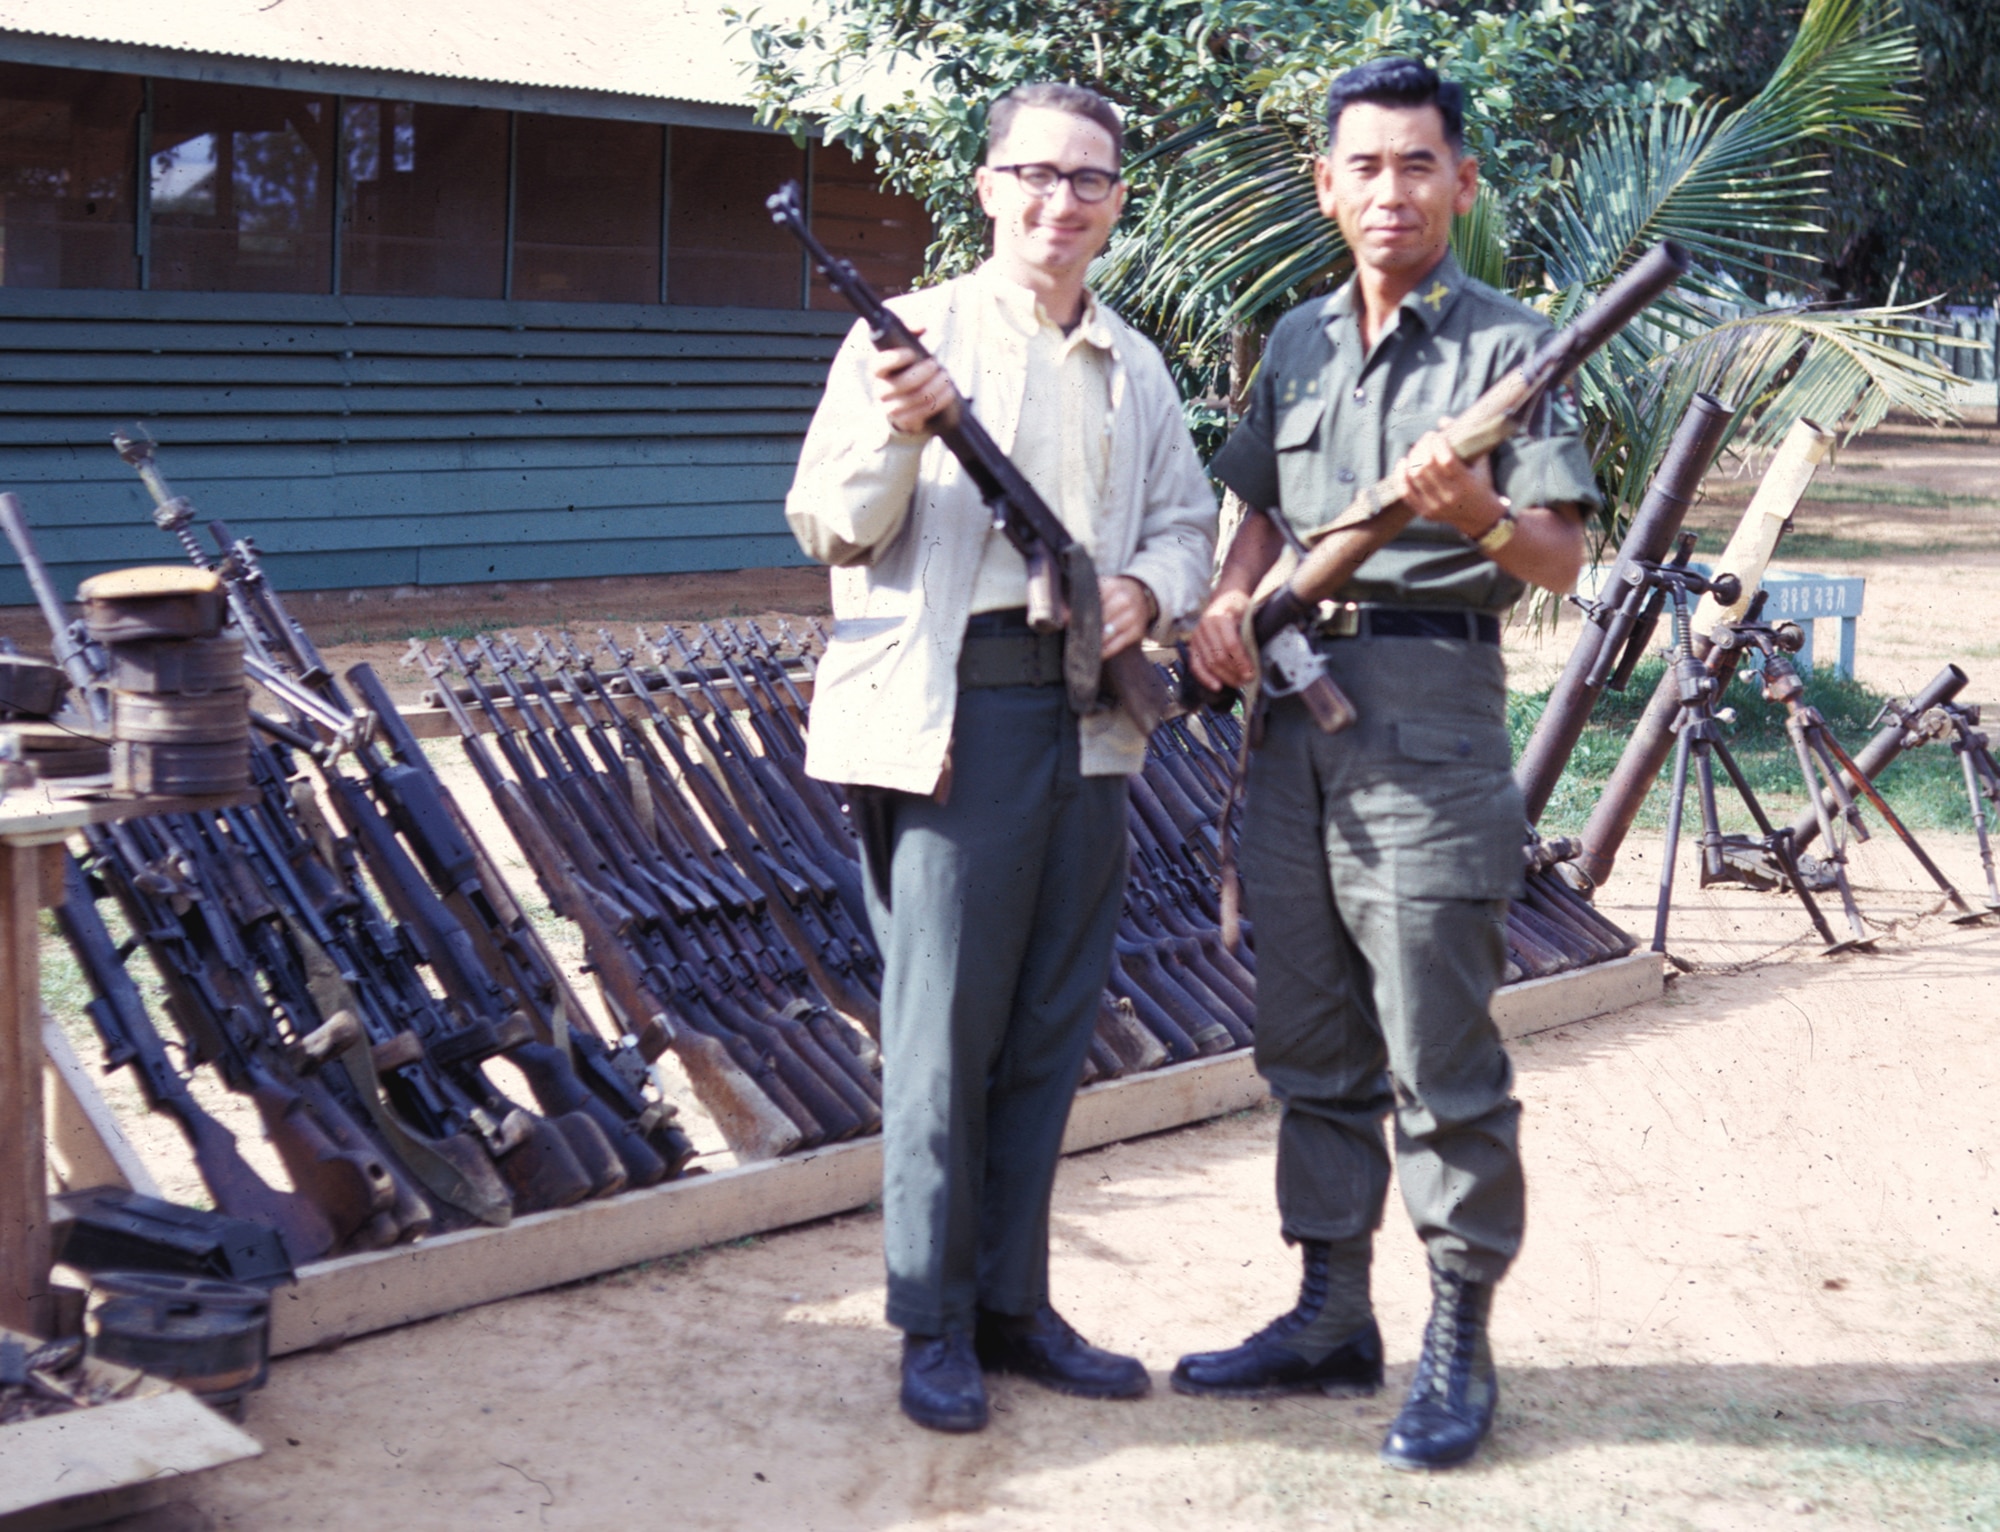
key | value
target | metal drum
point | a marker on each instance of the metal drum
(204, 718)
(143, 770)
(211, 1337)
(152, 601)
(185, 665)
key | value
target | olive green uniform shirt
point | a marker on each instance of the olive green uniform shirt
(1328, 417)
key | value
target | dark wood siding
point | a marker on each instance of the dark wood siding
(381, 441)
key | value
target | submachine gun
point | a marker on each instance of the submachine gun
(504, 996)
(1062, 580)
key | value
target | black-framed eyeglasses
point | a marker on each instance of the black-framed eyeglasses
(1088, 184)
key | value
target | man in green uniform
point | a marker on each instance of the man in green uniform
(1378, 861)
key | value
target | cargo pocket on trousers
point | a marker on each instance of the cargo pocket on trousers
(1460, 773)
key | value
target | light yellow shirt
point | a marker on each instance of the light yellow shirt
(1063, 443)
(902, 524)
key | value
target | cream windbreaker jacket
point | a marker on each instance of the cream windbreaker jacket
(904, 527)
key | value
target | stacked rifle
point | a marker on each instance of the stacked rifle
(338, 946)
(354, 986)
(659, 792)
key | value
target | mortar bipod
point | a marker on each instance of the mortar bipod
(1698, 742)
(1829, 774)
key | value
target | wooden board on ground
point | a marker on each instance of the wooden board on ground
(87, 1466)
(354, 1295)
(1540, 1005)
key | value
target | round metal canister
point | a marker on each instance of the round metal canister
(205, 718)
(30, 688)
(142, 770)
(183, 665)
(211, 1337)
(152, 601)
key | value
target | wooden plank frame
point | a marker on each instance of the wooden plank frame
(339, 1299)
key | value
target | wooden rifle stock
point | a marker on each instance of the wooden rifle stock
(119, 1014)
(753, 1127)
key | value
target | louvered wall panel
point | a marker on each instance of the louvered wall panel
(381, 441)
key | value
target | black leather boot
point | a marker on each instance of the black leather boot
(1328, 1342)
(1450, 1407)
(1044, 1349)
(943, 1388)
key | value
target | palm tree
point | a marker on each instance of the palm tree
(1232, 236)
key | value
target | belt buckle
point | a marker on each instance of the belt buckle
(1339, 619)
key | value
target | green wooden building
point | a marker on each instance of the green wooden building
(411, 299)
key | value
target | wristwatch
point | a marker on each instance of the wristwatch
(1501, 533)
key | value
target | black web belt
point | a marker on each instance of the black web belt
(1352, 621)
(1002, 650)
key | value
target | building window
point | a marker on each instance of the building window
(241, 189)
(722, 247)
(423, 200)
(587, 209)
(244, 185)
(68, 140)
(882, 233)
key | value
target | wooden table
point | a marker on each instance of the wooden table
(33, 829)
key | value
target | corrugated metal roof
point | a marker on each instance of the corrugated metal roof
(669, 50)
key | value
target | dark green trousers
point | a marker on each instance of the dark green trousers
(1376, 864)
(996, 930)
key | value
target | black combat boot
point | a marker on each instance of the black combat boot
(1329, 1342)
(1450, 1407)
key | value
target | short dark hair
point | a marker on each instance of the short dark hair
(1074, 99)
(1399, 82)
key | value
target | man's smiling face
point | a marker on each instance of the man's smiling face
(1392, 181)
(1058, 235)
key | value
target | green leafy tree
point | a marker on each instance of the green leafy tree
(1584, 174)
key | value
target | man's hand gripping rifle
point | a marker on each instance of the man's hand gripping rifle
(1287, 662)
(1062, 580)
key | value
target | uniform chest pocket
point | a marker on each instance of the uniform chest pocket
(1298, 425)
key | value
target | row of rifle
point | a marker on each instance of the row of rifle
(341, 948)
(355, 983)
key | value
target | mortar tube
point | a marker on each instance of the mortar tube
(1696, 441)
(1646, 751)
(1888, 742)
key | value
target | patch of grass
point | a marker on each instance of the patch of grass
(1839, 492)
(1842, 492)
(1808, 545)
(1923, 786)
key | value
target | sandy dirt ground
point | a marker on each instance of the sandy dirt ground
(1761, 1286)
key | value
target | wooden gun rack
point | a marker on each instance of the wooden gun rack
(353, 1295)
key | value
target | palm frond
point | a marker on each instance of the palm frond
(1479, 240)
(1236, 220)
(1727, 184)
(1845, 369)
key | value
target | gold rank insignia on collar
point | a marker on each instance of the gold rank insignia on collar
(1292, 390)
(1436, 296)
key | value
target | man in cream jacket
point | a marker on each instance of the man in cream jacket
(993, 817)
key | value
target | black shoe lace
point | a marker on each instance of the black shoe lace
(1312, 1298)
(1450, 1339)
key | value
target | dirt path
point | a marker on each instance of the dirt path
(1761, 1286)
